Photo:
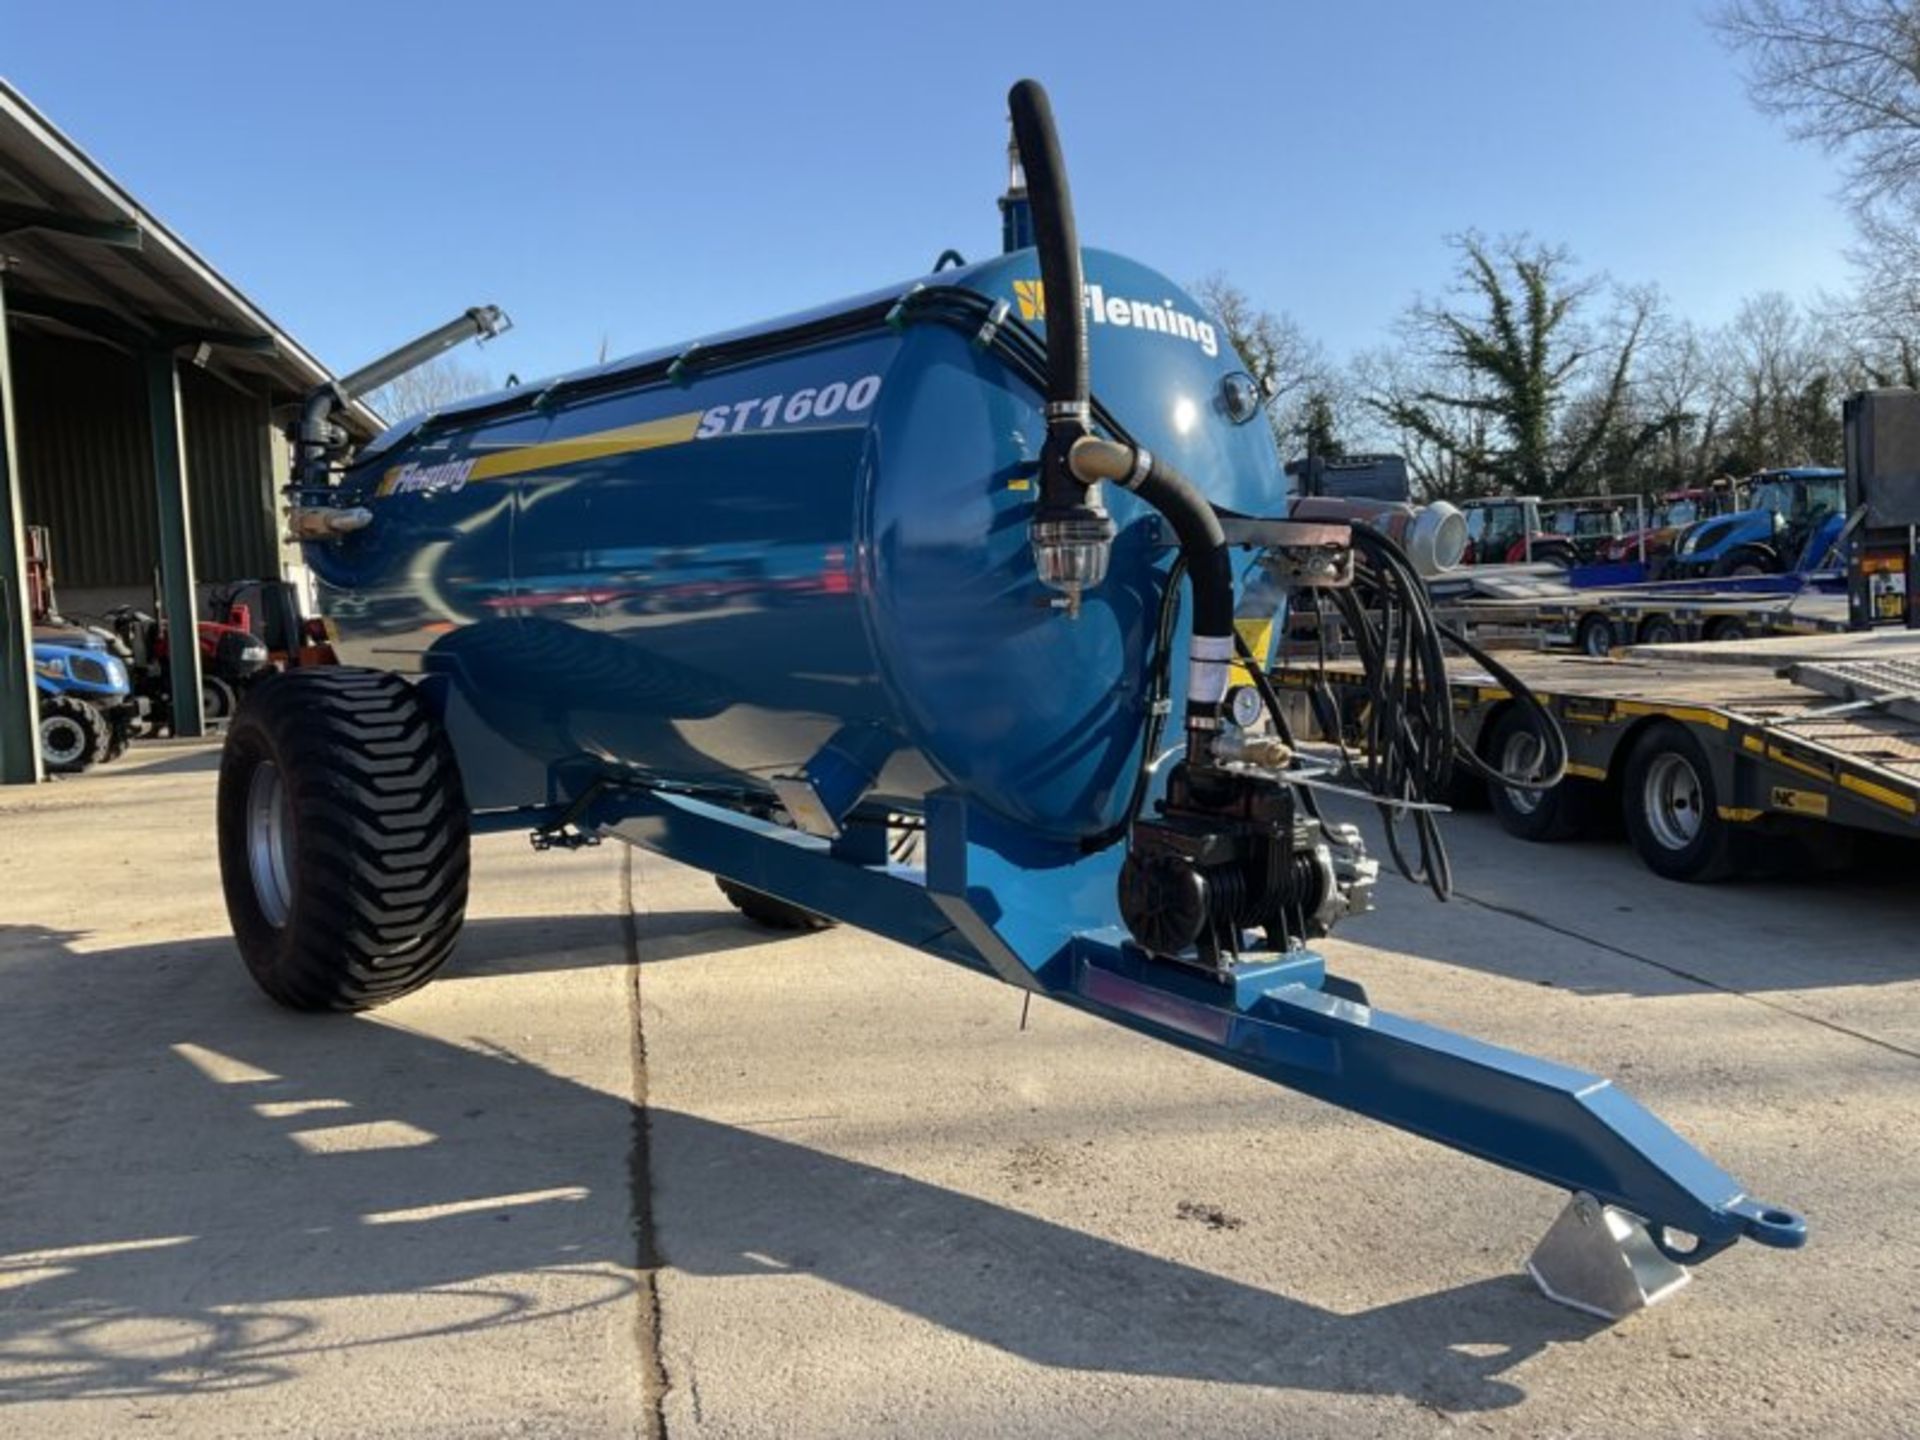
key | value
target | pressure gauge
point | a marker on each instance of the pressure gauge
(1244, 706)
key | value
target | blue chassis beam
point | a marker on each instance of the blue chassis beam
(1031, 913)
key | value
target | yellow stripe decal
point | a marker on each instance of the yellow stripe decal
(1675, 712)
(598, 445)
(1587, 772)
(1737, 815)
(1779, 756)
(1892, 799)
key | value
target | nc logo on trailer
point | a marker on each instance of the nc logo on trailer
(1166, 317)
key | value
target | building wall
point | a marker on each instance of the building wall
(86, 467)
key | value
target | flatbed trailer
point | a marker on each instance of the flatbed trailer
(1716, 762)
(1599, 622)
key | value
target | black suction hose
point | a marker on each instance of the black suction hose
(1071, 532)
(1203, 544)
(1074, 462)
(1058, 242)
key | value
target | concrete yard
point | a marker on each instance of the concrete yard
(632, 1166)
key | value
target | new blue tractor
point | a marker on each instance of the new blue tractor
(87, 709)
(1791, 521)
(764, 601)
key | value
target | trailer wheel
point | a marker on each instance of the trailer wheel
(1595, 637)
(770, 910)
(1659, 630)
(73, 735)
(1731, 628)
(1672, 809)
(343, 834)
(1538, 815)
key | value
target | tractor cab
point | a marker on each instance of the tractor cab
(1507, 530)
(1787, 513)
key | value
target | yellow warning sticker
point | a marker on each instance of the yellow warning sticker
(1797, 802)
(1258, 635)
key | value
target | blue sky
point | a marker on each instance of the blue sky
(647, 173)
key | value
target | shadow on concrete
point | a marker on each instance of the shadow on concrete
(173, 1224)
(526, 944)
(1648, 936)
(164, 757)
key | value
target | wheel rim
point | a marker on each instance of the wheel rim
(1522, 755)
(269, 844)
(1599, 641)
(1672, 797)
(213, 702)
(62, 741)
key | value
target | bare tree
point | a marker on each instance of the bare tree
(1449, 449)
(1780, 377)
(1676, 394)
(1273, 347)
(439, 382)
(1844, 74)
(1308, 401)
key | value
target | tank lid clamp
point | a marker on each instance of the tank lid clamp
(897, 317)
(990, 328)
(680, 372)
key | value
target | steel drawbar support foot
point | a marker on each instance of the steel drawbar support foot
(1600, 1259)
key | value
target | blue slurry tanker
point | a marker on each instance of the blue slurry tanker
(952, 557)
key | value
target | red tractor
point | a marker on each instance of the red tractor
(231, 658)
(260, 631)
(1507, 530)
(1674, 512)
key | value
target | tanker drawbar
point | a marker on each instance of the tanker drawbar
(946, 612)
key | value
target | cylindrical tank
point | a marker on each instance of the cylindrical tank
(703, 572)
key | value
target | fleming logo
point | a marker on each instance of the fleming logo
(1166, 317)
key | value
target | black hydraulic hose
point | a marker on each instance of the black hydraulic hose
(1058, 242)
(1203, 545)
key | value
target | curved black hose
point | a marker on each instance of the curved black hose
(1202, 541)
(1058, 242)
(1159, 689)
(1409, 745)
(1203, 544)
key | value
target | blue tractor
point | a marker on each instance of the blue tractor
(87, 709)
(1791, 521)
